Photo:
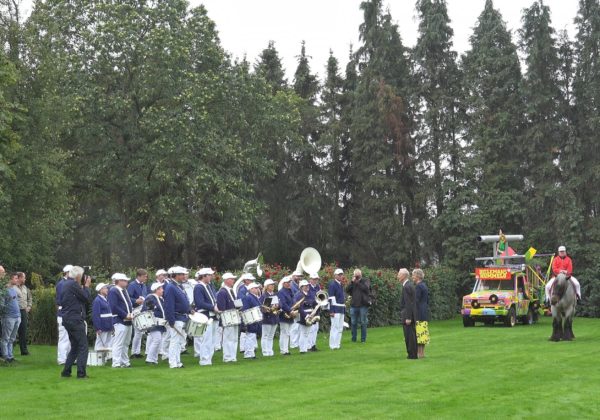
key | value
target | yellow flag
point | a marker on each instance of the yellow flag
(530, 253)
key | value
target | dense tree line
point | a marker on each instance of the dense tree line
(129, 137)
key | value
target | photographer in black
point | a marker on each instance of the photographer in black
(74, 300)
(360, 290)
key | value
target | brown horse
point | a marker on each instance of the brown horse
(563, 303)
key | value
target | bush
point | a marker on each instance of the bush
(42, 318)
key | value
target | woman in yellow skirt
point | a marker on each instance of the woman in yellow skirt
(422, 300)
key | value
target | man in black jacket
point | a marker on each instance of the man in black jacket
(74, 300)
(360, 290)
(408, 313)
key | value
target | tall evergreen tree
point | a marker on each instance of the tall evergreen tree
(437, 91)
(269, 66)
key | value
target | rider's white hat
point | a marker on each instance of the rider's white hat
(562, 248)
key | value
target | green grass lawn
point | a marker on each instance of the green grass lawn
(481, 372)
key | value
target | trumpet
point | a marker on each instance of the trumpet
(271, 309)
(322, 299)
(294, 309)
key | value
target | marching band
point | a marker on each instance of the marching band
(176, 308)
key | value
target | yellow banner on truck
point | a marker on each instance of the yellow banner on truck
(492, 273)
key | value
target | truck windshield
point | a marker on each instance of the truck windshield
(495, 285)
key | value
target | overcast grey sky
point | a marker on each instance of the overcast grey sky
(246, 26)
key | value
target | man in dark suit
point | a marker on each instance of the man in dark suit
(408, 313)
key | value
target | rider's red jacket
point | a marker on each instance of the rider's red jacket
(562, 263)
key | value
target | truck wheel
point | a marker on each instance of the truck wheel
(511, 318)
(468, 321)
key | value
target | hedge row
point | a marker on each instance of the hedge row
(443, 284)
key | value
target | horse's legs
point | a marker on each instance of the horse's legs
(556, 327)
(568, 335)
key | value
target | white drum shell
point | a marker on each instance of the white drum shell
(252, 315)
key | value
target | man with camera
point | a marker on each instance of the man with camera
(74, 300)
(360, 290)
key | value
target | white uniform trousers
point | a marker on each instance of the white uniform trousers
(251, 345)
(335, 333)
(230, 343)
(304, 340)
(176, 336)
(164, 344)
(136, 342)
(120, 345)
(207, 346)
(218, 337)
(295, 333)
(242, 342)
(314, 331)
(64, 345)
(284, 337)
(153, 341)
(103, 340)
(266, 341)
(197, 345)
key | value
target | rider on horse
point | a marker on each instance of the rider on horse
(562, 264)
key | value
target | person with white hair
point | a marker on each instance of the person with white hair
(64, 345)
(74, 300)
(102, 319)
(122, 309)
(337, 309)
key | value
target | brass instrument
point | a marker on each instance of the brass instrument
(322, 299)
(294, 309)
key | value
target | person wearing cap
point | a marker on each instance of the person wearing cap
(270, 318)
(305, 308)
(251, 300)
(102, 319)
(160, 276)
(122, 308)
(74, 300)
(205, 302)
(226, 302)
(313, 288)
(337, 308)
(218, 329)
(360, 290)
(154, 302)
(562, 263)
(286, 316)
(295, 328)
(177, 308)
(137, 293)
(64, 345)
(247, 279)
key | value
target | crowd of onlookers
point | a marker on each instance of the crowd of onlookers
(15, 311)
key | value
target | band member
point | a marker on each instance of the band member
(74, 300)
(270, 318)
(102, 319)
(177, 308)
(122, 308)
(304, 309)
(164, 346)
(64, 345)
(294, 329)
(161, 276)
(137, 293)
(286, 316)
(154, 302)
(251, 300)
(205, 301)
(337, 309)
(247, 279)
(225, 302)
(313, 288)
(218, 329)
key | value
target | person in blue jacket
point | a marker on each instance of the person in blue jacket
(305, 308)
(205, 302)
(102, 319)
(251, 300)
(122, 308)
(337, 308)
(226, 302)
(270, 318)
(154, 302)
(177, 308)
(313, 288)
(286, 316)
(137, 293)
(64, 345)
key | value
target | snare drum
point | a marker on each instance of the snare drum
(252, 315)
(230, 318)
(196, 325)
(161, 322)
(144, 320)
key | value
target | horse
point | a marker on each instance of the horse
(563, 302)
